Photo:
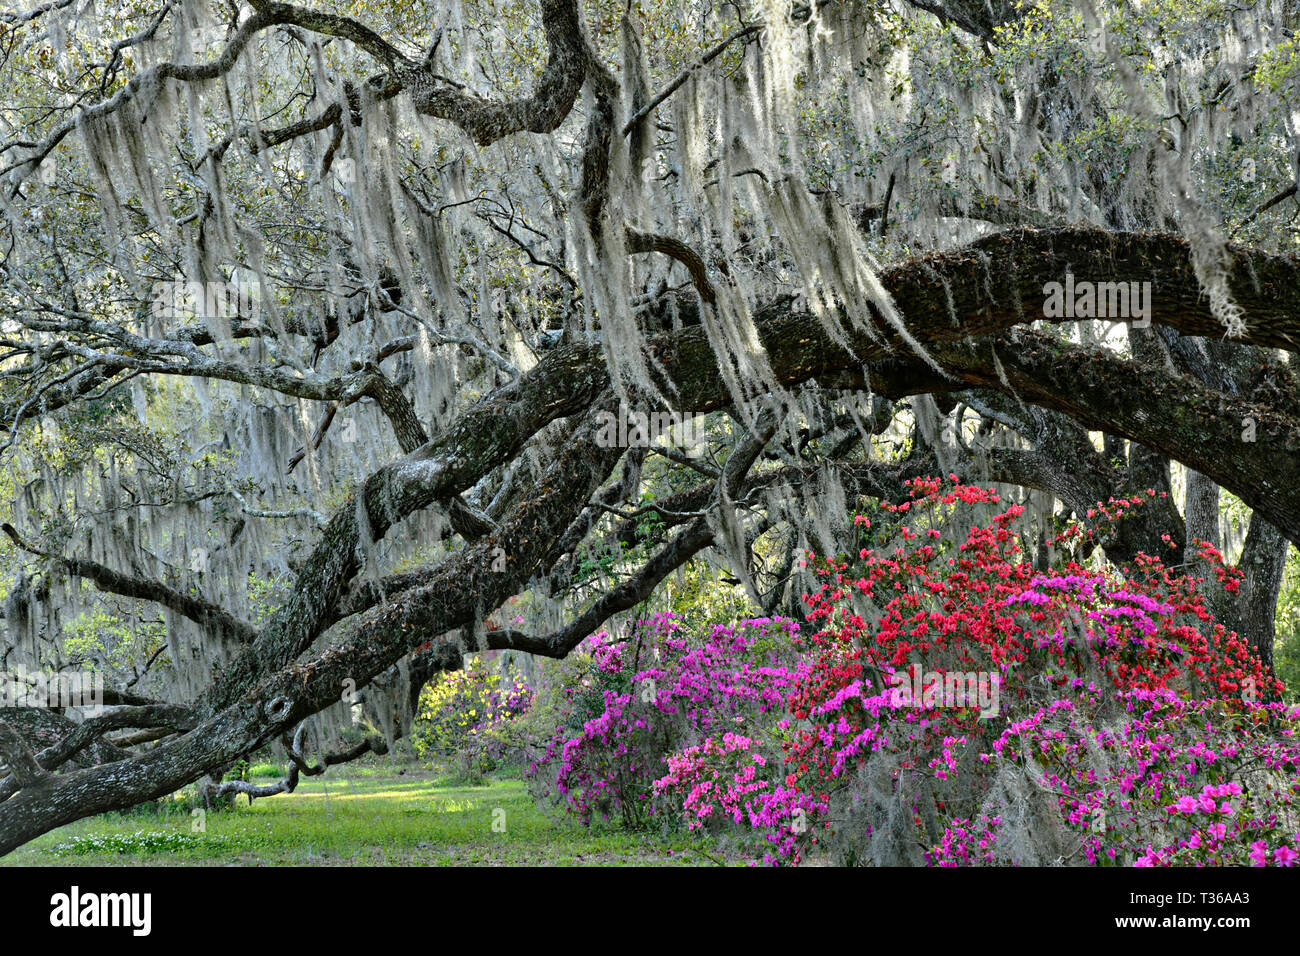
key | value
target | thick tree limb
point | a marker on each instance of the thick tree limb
(167, 716)
(675, 249)
(298, 765)
(22, 765)
(541, 112)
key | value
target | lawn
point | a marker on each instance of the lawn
(363, 816)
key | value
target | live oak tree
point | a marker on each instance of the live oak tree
(314, 317)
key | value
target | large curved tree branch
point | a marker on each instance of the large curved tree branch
(1159, 409)
(541, 112)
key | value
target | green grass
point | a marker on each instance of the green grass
(361, 817)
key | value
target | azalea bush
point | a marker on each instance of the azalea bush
(628, 706)
(1120, 705)
(467, 715)
(949, 704)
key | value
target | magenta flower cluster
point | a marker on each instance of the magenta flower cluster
(647, 726)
